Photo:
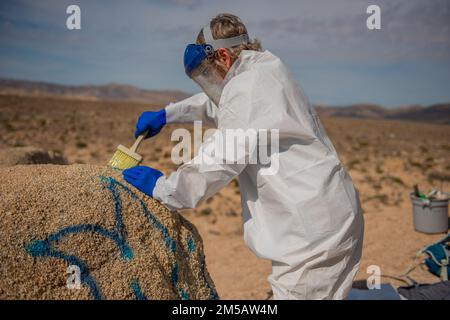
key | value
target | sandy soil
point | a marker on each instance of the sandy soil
(384, 158)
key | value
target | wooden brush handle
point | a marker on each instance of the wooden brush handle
(138, 141)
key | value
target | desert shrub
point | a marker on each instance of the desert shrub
(440, 176)
(416, 164)
(394, 179)
(423, 149)
(363, 143)
(382, 197)
(379, 169)
(9, 127)
(81, 145)
(206, 211)
(94, 154)
(352, 164)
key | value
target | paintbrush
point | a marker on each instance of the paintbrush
(125, 158)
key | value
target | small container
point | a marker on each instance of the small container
(430, 216)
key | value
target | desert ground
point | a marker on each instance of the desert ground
(385, 159)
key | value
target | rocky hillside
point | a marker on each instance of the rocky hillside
(438, 113)
(108, 92)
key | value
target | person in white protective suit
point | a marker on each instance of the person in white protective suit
(305, 216)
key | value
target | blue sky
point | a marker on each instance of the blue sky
(325, 43)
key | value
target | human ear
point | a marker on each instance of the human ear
(225, 57)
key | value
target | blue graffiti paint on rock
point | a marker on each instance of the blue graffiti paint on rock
(44, 248)
(135, 286)
(115, 236)
(175, 277)
(183, 294)
(191, 245)
(170, 243)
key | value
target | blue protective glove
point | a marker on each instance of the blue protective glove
(153, 121)
(143, 178)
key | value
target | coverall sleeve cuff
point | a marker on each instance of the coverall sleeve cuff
(158, 190)
(172, 112)
(162, 193)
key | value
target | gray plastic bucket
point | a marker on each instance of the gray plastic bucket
(430, 216)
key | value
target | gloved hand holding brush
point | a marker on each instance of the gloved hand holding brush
(149, 124)
(153, 121)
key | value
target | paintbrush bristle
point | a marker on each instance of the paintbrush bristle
(122, 160)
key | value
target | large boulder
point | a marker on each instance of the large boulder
(61, 224)
(29, 155)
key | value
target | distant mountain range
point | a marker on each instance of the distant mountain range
(107, 92)
(438, 113)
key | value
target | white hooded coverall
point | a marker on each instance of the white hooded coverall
(306, 218)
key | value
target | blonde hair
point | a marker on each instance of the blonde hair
(227, 25)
